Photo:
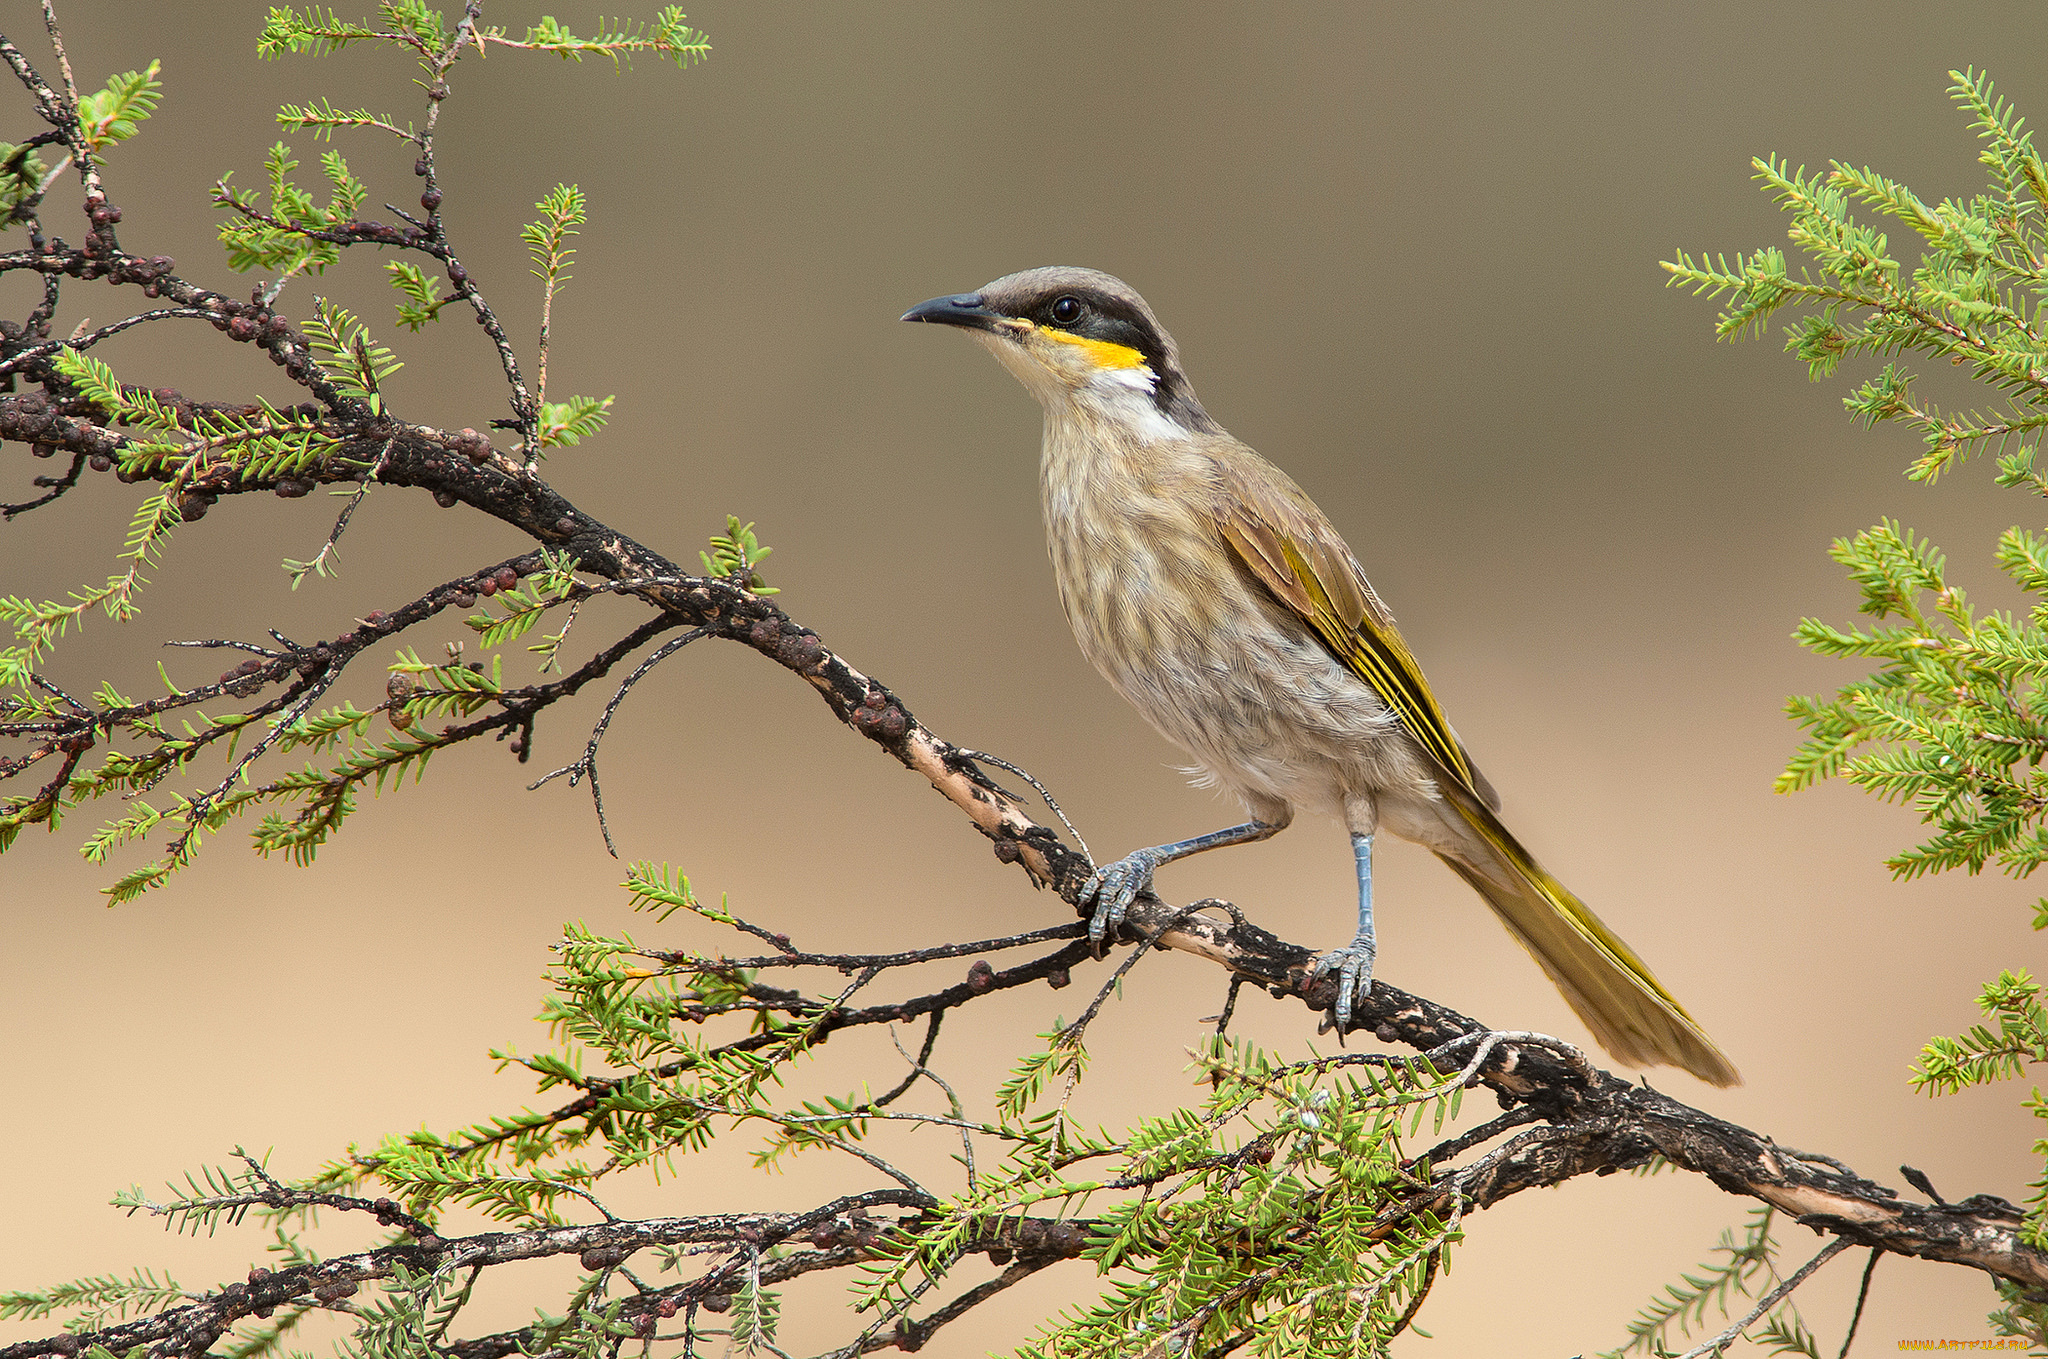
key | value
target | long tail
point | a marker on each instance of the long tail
(1609, 988)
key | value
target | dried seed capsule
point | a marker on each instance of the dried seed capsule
(602, 1257)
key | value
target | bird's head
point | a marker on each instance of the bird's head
(1076, 336)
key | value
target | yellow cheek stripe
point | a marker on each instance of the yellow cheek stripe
(1105, 354)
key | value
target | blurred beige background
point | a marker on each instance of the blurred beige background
(1409, 251)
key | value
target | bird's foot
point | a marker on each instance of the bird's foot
(1107, 896)
(1353, 966)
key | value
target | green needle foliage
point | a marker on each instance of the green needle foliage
(116, 113)
(1285, 1208)
(412, 24)
(356, 366)
(1747, 1269)
(21, 176)
(736, 553)
(1950, 718)
(187, 454)
(259, 239)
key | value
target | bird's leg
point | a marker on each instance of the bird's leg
(1114, 885)
(1353, 962)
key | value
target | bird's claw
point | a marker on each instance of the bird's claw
(1108, 895)
(1353, 966)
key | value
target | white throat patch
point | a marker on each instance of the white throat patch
(1124, 396)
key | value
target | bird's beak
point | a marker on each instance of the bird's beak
(958, 309)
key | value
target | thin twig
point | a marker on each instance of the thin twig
(921, 1331)
(1042, 790)
(1862, 1296)
(1769, 1300)
(918, 1068)
(587, 765)
(57, 42)
(1421, 1294)
(57, 486)
(931, 1039)
(1072, 1033)
(318, 565)
(846, 961)
(1465, 1141)
(25, 357)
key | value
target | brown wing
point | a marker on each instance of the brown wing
(1287, 545)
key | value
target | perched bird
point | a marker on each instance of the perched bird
(1213, 594)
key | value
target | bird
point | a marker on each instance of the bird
(1222, 604)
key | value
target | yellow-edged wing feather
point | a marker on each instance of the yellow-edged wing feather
(1287, 545)
(1327, 590)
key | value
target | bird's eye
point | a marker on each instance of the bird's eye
(1066, 310)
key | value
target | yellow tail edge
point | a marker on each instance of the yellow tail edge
(1607, 985)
